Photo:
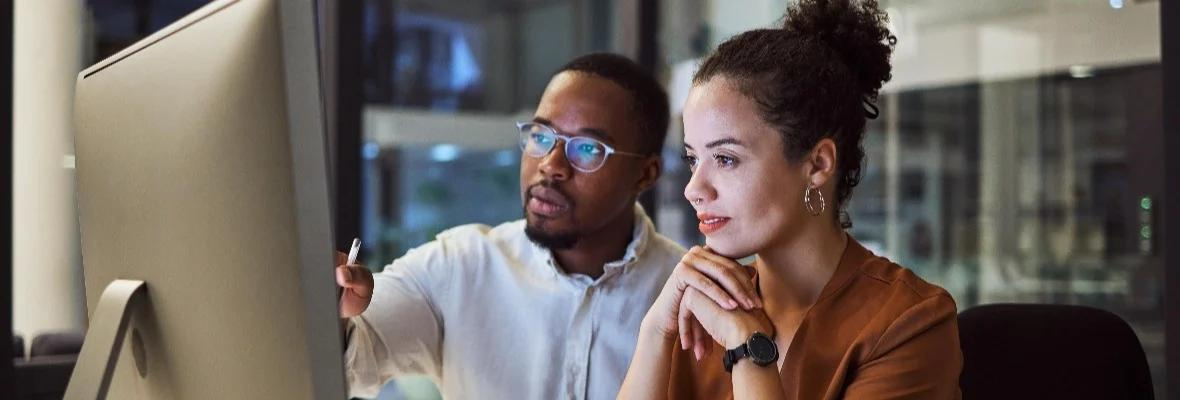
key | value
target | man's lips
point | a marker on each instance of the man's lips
(547, 202)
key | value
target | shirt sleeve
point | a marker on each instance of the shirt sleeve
(918, 356)
(401, 331)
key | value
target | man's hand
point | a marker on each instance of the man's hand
(357, 283)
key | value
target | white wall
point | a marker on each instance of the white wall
(47, 276)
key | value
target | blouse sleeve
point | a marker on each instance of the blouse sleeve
(918, 356)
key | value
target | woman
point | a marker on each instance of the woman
(773, 130)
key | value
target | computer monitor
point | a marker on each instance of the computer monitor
(204, 209)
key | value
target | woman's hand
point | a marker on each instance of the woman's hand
(728, 327)
(722, 281)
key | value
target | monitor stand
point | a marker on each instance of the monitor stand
(104, 340)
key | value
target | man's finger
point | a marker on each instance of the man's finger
(343, 277)
(355, 278)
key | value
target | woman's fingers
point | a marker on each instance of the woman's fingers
(692, 334)
(710, 316)
(728, 275)
(702, 339)
(741, 274)
(684, 326)
(694, 278)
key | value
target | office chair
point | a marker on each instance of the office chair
(18, 346)
(45, 374)
(1044, 351)
(56, 343)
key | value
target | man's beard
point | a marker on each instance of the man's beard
(551, 240)
(542, 237)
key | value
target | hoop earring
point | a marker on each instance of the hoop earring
(808, 203)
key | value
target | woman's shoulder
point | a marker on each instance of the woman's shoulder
(879, 315)
(894, 284)
(878, 299)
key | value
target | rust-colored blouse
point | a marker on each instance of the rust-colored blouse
(877, 331)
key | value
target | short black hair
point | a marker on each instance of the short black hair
(650, 100)
(814, 77)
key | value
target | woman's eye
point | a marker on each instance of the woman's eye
(725, 161)
(691, 161)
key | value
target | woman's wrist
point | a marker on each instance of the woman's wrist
(652, 332)
(743, 330)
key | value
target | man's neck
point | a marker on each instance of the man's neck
(593, 251)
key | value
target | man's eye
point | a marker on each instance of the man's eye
(588, 149)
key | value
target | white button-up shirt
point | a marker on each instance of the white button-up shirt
(488, 314)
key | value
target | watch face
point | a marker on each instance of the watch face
(762, 349)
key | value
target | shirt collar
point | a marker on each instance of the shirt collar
(641, 235)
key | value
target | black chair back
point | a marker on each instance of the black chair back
(56, 344)
(18, 346)
(1044, 351)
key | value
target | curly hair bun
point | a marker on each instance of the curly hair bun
(855, 29)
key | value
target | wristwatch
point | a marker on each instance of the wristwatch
(759, 348)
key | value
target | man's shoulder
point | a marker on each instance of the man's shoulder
(662, 253)
(663, 246)
(479, 240)
(471, 233)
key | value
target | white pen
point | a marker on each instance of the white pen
(352, 252)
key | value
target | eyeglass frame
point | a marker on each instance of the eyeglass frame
(567, 138)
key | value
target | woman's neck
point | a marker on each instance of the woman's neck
(792, 275)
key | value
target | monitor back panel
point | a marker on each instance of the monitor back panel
(186, 181)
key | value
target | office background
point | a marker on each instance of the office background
(1020, 157)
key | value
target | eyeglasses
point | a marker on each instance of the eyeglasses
(584, 154)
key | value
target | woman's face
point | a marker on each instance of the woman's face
(746, 194)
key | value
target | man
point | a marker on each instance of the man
(547, 307)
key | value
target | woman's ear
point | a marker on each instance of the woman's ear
(821, 163)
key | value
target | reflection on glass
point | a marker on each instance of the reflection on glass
(424, 190)
(1017, 157)
(444, 81)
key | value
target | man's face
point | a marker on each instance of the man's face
(561, 203)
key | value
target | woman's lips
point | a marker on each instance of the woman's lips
(711, 223)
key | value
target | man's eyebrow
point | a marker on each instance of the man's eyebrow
(596, 132)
